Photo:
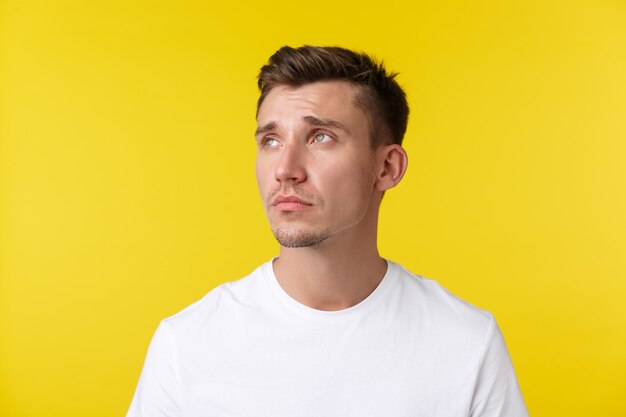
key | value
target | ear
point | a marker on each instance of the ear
(394, 161)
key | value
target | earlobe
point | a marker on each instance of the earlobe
(394, 165)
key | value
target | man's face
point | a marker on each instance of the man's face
(315, 167)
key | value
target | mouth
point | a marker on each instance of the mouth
(290, 203)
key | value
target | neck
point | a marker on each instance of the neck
(337, 274)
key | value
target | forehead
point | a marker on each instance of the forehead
(334, 99)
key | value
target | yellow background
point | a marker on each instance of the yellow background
(128, 189)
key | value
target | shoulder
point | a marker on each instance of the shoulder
(441, 310)
(221, 300)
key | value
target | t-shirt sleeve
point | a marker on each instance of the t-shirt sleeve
(158, 392)
(497, 392)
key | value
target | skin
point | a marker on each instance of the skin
(322, 183)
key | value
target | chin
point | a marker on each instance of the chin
(299, 238)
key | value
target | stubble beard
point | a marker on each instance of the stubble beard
(300, 238)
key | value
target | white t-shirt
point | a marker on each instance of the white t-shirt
(247, 349)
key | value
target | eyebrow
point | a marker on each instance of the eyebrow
(312, 120)
(265, 128)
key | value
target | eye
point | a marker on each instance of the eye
(270, 143)
(322, 137)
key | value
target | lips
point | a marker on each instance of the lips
(290, 203)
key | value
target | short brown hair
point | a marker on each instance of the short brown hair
(381, 97)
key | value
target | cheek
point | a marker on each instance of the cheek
(350, 184)
(261, 178)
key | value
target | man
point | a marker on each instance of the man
(328, 328)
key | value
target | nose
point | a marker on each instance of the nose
(290, 166)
